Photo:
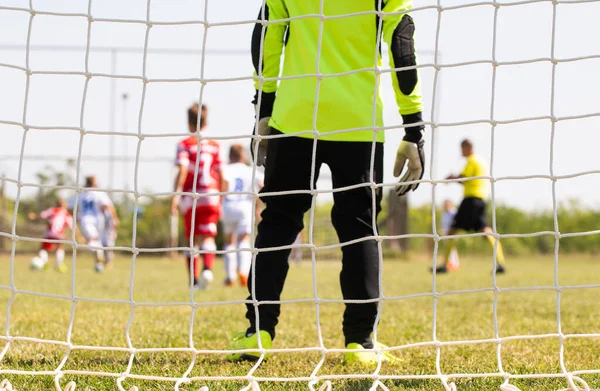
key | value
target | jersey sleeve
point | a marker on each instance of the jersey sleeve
(104, 199)
(226, 172)
(47, 213)
(266, 48)
(398, 33)
(182, 156)
(69, 221)
(267, 61)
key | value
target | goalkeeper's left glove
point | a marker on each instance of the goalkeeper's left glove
(264, 115)
(410, 151)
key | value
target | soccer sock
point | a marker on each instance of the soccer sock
(451, 245)
(230, 263)
(60, 256)
(43, 254)
(499, 252)
(99, 254)
(244, 257)
(195, 270)
(209, 258)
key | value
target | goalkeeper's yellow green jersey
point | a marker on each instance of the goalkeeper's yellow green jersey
(475, 187)
(346, 44)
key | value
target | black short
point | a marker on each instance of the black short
(471, 215)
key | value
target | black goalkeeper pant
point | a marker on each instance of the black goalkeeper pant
(289, 168)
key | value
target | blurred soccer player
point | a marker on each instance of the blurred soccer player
(471, 212)
(58, 218)
(109, 236)
(447, 220)
(297, 251)
(201, 217)
(346, 110)
(92, 208)
(237, 214)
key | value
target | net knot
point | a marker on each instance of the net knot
(252, 386)
(6, 386)
(448, 386)
(326, 386)
(378, 385)
(575, 382)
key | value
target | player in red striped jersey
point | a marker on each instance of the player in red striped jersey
(58, 219)
(202, 215)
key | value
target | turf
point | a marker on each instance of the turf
(405, 322)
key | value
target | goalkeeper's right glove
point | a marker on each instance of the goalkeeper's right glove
(410, 151)
(259, 152)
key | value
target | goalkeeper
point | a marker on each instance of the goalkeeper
(471, 212)
(345, 123)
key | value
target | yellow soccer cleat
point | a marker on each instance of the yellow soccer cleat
(62, 268)
(242, 342)
(368, 357)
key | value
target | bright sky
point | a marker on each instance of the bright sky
(524, 32)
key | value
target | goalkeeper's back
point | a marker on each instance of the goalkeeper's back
(344, 49)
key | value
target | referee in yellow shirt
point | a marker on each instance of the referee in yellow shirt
(471, 213)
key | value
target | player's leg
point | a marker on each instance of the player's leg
(483, 226)
(243, 230)
(189, 218)
(288, 168)
(450, 248)
(244, 254)
(500, 261)
(230, 256)
(60, 258)
(45, 247)
(207, 218)
(353, 216)
(92, 233)
(297, 251)
(229, 224)
(108, 240)
(463, 221)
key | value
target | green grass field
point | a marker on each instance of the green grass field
(405, 322)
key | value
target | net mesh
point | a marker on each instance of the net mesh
(315, 380)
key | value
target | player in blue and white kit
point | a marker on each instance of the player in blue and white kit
(237, 214)
(92, 208)
(109, 235)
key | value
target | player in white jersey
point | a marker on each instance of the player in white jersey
(447, 221)
(238, 210)
(91, 210)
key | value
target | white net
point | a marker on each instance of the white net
(135, 307)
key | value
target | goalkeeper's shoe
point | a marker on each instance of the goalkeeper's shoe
(242, 341)
(500, 269)
(368, 357)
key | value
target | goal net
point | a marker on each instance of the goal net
(518, 78)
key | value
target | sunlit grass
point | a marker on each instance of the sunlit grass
(407, 321)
